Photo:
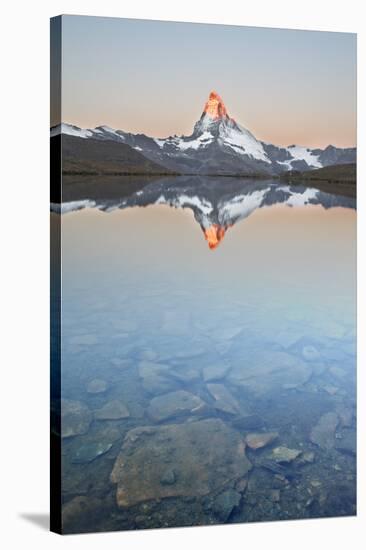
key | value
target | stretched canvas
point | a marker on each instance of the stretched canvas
(203, 274)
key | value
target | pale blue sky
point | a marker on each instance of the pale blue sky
(154, 77)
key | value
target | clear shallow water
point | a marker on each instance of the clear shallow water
(257, 331)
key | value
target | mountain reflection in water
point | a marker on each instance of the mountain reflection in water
(202, 386)
(217, 203)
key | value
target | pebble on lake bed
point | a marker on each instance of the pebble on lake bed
(323, 433)
(96, 386)
(284, 454)
(174, 404)
(76, 418)
(90, 451)
(268, 370)
(113, 410)
(224, 400)
(225, 503)
(258, 440)
(215, 372)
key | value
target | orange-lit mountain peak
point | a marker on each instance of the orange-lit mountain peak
(214, 235)
(215, 107)
(214, 95)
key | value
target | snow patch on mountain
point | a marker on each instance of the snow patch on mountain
(243, 142)
(184, 201)
(241, 206)
(71, 130)
(299, 152)
(228, 145)
(160, 141)
(202, 141)
(109, 130)
(182, 143)
(204, 124)
(71, 206)
(299, 199)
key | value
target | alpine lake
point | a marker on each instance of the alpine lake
(208, 352)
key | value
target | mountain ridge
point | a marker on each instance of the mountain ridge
(93, 157)
(218, 145)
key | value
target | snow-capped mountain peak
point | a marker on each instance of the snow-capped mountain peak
(217, 145)
(300, 153)
(216, 126)
(215, 107)
(71, 130)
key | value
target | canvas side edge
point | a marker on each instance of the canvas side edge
(55, 277)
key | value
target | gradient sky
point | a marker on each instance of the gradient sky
(154, 77)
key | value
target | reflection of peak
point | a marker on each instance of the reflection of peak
(215, 107)
(216, 203)
(214, 235)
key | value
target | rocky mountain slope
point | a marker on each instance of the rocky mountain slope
(217, 145)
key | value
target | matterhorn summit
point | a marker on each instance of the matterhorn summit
(216, 122)
(215, 107)
(218, 145)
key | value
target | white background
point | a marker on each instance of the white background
(24, 387)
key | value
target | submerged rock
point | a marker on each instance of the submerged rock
(185, 374)
(275, 495)
(250, 422)
(331, 390)
(175, 351)
(174, 404)
(97, 386)
(310, 353)
(80, 508)
(90, 451)
(241, 485)
(265, 371)
(76, 418)
(284, 454)
(113, 410)
(347, 443)
(97, 442)
(225, 503)
(215, 372)
(224, 400)
(323, 433)
(155, 377)
(275, 467)
(156, 384)
(258, 440)
(287, 338)
(146, 368)
(168, 477)
(197, 452)
(227, 333)
(345, 415)
(308, 457)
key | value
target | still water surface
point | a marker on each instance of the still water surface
(208, 355)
